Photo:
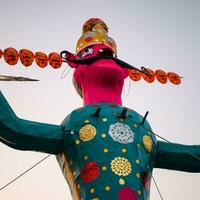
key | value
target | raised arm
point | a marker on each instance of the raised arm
(178, 157)
(28, 135)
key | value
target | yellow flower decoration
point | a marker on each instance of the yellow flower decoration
(148, 143)
(121, 166)
(87, 132)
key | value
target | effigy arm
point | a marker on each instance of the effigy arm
(28, 135)
(178, 157)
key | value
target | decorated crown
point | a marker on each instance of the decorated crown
(95, 31)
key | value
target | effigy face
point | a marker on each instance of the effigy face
(107, 156)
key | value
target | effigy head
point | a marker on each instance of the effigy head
(93, 45)
(95, 59)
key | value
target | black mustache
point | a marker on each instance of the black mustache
(100, 57)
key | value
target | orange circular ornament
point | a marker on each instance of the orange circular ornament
(55, 60)
(11, 56)
(1, 53)
(174, 78)
(134, 74)
(41, 59)
(161, 76)
(26, 57)
(150, 77)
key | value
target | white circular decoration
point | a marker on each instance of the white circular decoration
(121, 133)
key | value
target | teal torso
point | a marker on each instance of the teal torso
(108, 154)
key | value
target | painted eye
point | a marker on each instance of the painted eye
(87, 52)
(106, 52)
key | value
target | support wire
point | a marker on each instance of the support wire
(25, 172)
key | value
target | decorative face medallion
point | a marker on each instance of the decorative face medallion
(26, 57)
(150, 77)
(41, 59)
(11, 56)
(161, 76)
(174, 78)
(55, 60)
(134, 75)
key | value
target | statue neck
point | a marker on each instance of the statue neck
(102, 89)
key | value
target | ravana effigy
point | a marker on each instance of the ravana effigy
(105, 150)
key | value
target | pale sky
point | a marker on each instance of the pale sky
(157, 34)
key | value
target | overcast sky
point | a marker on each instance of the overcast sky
(157, 34)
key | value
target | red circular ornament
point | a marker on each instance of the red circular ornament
(145, 180)
(127, 194)
(90, 172)
(89, 39)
